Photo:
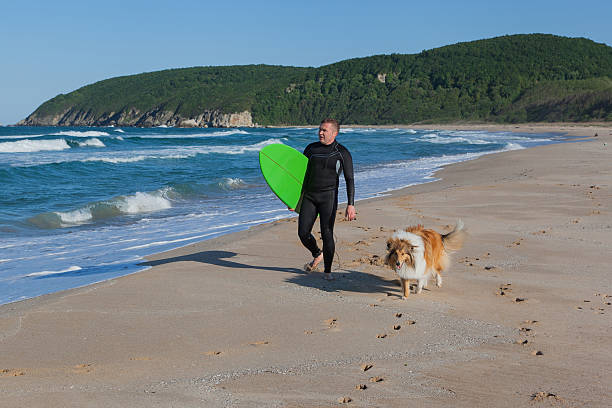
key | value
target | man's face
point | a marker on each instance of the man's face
(327, 133)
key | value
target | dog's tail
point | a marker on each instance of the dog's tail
(453, 241)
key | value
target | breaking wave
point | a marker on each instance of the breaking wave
(30, 146)
(77, 133)
(232, 183)
(137, 203)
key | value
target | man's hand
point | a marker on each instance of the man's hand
(350, 213)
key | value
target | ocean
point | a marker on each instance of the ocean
(83, 205)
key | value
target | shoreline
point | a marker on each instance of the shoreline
(227, 321)
(382, 194)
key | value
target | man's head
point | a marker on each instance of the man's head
(328, 130)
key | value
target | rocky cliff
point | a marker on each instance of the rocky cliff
(133, 117)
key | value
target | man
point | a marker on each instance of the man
(326, 160)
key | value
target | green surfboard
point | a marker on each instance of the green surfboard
(284, 168)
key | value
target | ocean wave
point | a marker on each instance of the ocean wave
(241, 149)
(22, 136)
(230, 183)
(94, 142)
(137, 203)
(119, 130)
(31, 146)
(47, 273)
(193, 135)
(513, 146)
(78, 133)
(438, 139)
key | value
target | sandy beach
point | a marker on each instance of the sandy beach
(524, 317)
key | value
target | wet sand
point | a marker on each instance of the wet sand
(523, 318)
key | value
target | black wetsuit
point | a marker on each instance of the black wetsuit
(320, 195)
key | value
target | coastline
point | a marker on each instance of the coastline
(219, 320)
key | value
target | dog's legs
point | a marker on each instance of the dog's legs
(421, 284)
(405, 288)
(438, 279)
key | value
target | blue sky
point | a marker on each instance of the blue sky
(52, 47)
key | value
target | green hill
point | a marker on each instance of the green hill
(534, 77)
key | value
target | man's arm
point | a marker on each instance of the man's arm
(349, 179)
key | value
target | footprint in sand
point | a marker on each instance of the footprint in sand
(83, 368)
(141, 358)
(396, 327)
(366, 366)
(212, 353)
(259, 343)
(331, 322)
(8, 372)
(381, 336)
(376, 379)
(546, 396)
(537, 353)
(503, 290)
(522, 342)
(361, 387)
(515, 243)
(344, 400)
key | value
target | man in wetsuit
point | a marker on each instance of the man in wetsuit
(326, 160)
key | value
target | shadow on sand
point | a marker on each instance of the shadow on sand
(346, 280)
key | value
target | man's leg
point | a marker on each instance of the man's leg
(327, 214)
(308, 215)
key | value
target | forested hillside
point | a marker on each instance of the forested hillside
(518, 78)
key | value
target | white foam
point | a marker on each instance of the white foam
(76, 133)
(95, 142)
(143, 202)
(513, 146)
(194, 135)
(242, 149)
(31, 146)
(119, 130)
(133, 159)
(46, 273)
(174, 241)
(75, 217)
(21, 136)
(438, 139)
(115, 159)
(232, 183)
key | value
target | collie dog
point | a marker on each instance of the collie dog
(419, 253)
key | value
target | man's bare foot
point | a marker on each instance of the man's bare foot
(328, 276)
(314, 264)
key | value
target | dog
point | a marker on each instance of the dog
(419, 253)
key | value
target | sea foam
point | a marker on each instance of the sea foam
(94, 142)
(86, 133)
(31, 146)
(139, 202)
